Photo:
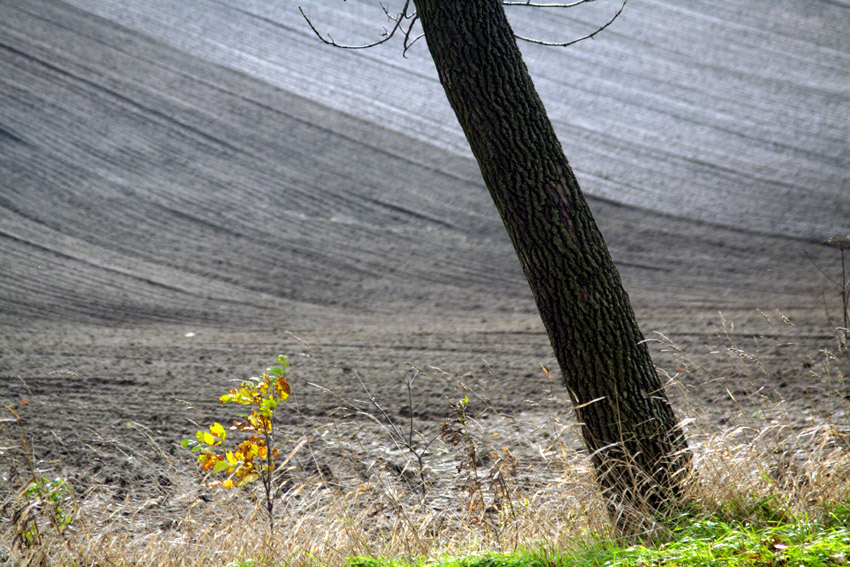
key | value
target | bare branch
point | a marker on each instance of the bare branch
(531, 4)
(407, 42)
(388, 35)
(404, 14)
(574, 41)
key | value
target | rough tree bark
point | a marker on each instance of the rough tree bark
(639, 454)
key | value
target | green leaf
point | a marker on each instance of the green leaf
(221, 466)
(267, 406)
(276, 370)
(247, 479)
(185, 443)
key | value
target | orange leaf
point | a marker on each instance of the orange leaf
(283, 389)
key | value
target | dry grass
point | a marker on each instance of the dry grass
(352, 489)
(791, 449)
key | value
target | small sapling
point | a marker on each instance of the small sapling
(255, 457)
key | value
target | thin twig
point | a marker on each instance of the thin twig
(388, 35)
(845, 293)
(410, 406)
(407, 44)
(824, 274)
(531, 4)
(591, 35)
(397, 437)
(403, 15)
(379, 408)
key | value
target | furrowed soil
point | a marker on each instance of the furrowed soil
(187, 192)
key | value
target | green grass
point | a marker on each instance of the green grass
(717, 540)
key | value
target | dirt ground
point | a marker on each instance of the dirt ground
(92, 399)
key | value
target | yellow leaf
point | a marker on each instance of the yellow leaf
(208, 438)
(227, 483)
(218, 431)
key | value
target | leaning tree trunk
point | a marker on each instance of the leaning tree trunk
(639, 454)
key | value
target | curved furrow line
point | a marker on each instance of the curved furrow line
(221, 165)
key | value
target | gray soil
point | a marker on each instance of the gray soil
(188, 189)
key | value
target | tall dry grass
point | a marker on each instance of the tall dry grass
(353, 488)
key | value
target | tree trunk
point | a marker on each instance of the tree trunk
(639, 454)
